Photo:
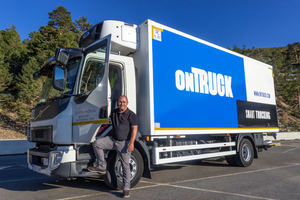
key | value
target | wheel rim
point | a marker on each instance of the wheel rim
(119, 168)
(246, 152)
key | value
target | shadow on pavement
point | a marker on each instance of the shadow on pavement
(15, 176)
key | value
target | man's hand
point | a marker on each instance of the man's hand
(132, 139)
(130, 147)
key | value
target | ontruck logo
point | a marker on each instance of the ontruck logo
(206, 82)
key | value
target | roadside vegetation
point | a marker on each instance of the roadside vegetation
(286, 69)
(19, 92)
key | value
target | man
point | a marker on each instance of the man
(125, 126)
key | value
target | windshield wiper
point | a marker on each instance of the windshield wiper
(63, 96)
(67, 95)
(73, 95)
(70, 95)
(41, 112)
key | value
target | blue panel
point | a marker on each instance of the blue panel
(179, 108)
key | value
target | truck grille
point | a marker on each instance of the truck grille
(41, 134)
(36, 157)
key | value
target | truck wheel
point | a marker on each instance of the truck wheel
(245, 156)
(114, 175)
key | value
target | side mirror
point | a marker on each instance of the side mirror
(62, 56)
(59, 78)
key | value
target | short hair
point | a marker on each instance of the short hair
(123, 96)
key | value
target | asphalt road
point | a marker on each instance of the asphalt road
(275, 175)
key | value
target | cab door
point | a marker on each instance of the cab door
(90, 106)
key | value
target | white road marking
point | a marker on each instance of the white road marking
(290, 149)
(238, 173)
(294, 163)
(200, 189)
(221, 192)
(9, 166)
(150, 186)
(82, 196)
(143, 181)
(96, 194)
(4, 167)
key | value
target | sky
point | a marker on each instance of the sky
(254, 23)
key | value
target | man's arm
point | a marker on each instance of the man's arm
(134, 130)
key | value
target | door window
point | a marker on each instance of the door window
(92, 75)
(115, 80)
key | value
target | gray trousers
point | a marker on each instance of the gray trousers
(108, 143)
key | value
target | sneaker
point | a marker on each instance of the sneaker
(96, 169)
(126, 194)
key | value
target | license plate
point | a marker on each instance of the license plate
(45, 161)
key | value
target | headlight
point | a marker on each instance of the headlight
(56, 158)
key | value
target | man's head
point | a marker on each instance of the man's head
(122, 103)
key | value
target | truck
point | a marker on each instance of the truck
(194, 100)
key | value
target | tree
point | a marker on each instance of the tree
(11, 56)
(12, 48)
(28, 88)
(5, 76)
(60, 18)
(82, 24)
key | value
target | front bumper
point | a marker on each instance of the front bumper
(59, 163)
(45, 162)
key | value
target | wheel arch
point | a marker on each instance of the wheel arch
(143, 149)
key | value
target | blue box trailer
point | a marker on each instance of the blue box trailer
(189, 86)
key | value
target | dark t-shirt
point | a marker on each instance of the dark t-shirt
(122, 123)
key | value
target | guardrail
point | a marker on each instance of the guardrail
(11, 147)
(284, 136)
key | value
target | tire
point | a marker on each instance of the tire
(244, 157)
(114, 175)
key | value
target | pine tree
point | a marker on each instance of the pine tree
(11, 52)
(60, 18)
(5, 76)
(27, 86)
(82, 24)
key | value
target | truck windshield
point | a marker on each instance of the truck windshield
(49, 92)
